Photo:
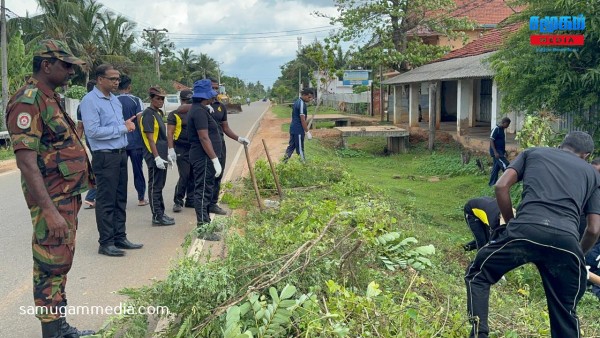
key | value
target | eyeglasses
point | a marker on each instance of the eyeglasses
(114, 79)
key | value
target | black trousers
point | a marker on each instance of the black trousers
(136, 156)
(296, 144)
(185, 184)
(111, 197)
(156, 182)
(217, 188)
(204, 176)
(480, 231)
(559, 260)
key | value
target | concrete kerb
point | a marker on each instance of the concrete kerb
(198, 244)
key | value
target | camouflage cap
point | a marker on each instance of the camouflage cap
(156, 91)
(56, 49)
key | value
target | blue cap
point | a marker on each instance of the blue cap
(203, 90)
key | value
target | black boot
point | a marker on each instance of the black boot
(69, 331)
(51, 329)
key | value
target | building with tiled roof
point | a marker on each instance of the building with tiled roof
(460, 85)
(485, 14)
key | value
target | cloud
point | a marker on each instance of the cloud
(251, 38)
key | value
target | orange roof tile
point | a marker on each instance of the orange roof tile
(490, 41)
(483, 12)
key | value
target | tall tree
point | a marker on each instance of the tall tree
(534, 81)
(205, 66)
(57, 19)
(186, 58)
(86, 42)
(388, 28)
(116, 39)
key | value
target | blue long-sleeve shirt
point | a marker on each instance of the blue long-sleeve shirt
(103, 120)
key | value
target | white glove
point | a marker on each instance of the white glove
(210, 109)
(243, 140)
(587, 267)
(308, 135)
(172, 156)
(217, 165)
(160, 163)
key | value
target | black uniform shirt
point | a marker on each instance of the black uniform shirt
(179, 119)
(557, 187)
(220, 114)
(152, 122)
(200, 118)
(485, 209)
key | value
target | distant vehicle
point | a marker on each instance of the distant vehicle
(232, 108)
(265, 99)
(172, 102)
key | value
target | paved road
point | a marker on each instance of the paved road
(95, 279)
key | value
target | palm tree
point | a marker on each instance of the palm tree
(86, 43)
(204, 66)
(186, 58)
(57, 22)
(115, 38)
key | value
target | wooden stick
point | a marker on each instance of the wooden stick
(594, 278)
(253, 178)
(279, 191)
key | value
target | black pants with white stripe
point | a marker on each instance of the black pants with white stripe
(559, 260)
(296, 144)
(156, 182)
(185, 185)
(217, 188)
(204, 177)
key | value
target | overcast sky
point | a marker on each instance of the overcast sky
(251, 38)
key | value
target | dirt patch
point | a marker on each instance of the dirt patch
(420, 136)
(8, 165)
(276, 140)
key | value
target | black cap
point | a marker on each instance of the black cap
(186, 94)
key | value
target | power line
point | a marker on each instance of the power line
(259, 33)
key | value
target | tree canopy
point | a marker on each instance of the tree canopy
(386, 29)
(564, 81)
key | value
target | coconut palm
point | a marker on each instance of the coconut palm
(87, 25)
(115, 38)
(204, 66)
(186, 59)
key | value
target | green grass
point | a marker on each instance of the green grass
(284, 111)
(435, 201)
(6, 153)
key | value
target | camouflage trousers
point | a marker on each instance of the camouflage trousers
(52, 259)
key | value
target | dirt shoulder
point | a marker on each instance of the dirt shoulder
(8, 165)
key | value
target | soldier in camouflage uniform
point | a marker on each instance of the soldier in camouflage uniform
(55, 170)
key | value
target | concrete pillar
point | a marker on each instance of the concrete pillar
(397, 103)
(438, 106)
(434, 87)
(495, 104)
(476, 98)
(464, 105)
(413, 104)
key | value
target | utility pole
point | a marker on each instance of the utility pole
(4, 65)
(154, 34)
(299, 72)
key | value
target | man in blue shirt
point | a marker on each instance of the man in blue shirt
(102, 115)
(498, 149)
(299, 127)
(90, 198)
(132, 106)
